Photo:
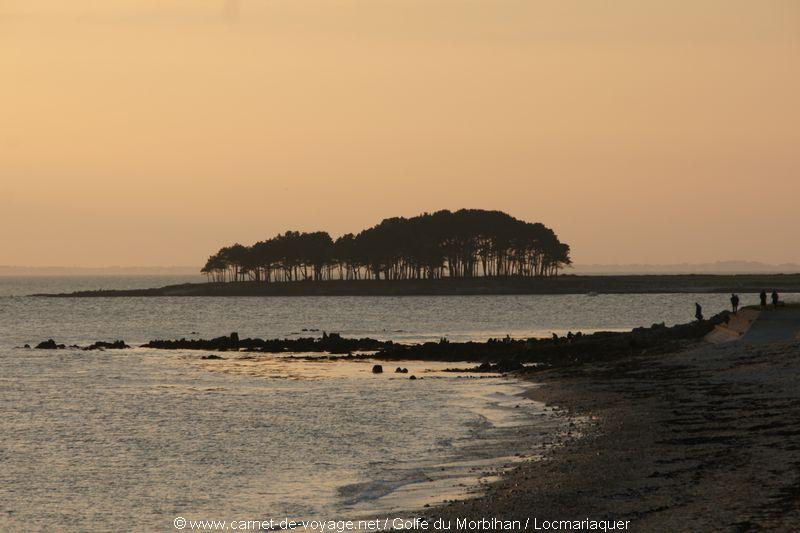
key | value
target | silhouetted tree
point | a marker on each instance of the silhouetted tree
(461, 244)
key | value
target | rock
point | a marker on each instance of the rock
(234, 337)
(212, 356)
(401, 370)
(49, 344)
(377, 369)
(27, 346)
(331, 343)
(508, 366)
(100, 345)
(412, 377)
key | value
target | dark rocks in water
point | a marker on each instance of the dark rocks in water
(377, 369)
(510, 365)
(50, 344)
(412, 377)
(508, 356)
(496, 355)
(330, 342)
(100, 345)
(401, 370)
(212, 356)
(28, 346)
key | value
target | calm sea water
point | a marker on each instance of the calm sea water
(129, 440)
(405, 319)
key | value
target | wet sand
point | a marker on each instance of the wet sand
(706, 438)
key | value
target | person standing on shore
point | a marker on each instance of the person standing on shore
(763, 298)
(735, 303)
(775, 299)
(698, 312)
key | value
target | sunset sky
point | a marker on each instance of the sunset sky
(152, 132)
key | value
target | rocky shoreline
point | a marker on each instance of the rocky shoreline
(702, 438)
(563, 284)
(494, 355)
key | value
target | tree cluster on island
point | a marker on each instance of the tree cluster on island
(462, 244)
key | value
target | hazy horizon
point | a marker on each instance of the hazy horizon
(155, 132)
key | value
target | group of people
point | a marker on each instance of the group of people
(762, 295)
(775, 299)
(698, 309)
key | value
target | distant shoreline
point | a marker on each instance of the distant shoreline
(565, 284)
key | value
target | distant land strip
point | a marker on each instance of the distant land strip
(564, 284)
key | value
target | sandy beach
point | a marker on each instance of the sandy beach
(706, 438)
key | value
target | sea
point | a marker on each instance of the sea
(147, 440)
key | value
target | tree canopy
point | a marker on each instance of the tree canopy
(461, 244)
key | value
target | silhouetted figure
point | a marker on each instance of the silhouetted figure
(698, 312)
(735, 303)
(775, 299)
(763, 296)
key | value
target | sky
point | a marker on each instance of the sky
(153, 132)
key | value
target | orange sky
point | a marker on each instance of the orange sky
(151, 132)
